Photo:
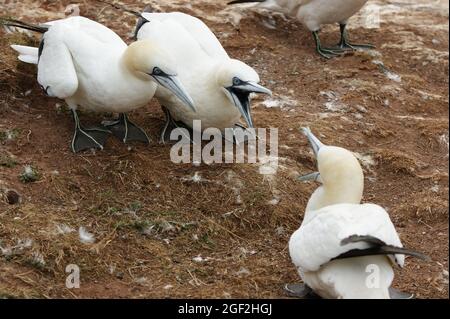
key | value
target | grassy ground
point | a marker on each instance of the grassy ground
(211, 231)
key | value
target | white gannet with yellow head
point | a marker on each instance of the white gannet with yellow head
(220, 86)
(91, 67)
(344, 249)
(315, 13)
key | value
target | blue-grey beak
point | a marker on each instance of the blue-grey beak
(316, 144)
(313, 177)
(173, 84)
(241, 98)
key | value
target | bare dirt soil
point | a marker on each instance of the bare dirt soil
(163, 230)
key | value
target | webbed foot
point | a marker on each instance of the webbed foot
(127, 131)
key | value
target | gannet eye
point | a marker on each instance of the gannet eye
(157, 71)
(237, 81)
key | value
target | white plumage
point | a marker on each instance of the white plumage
(327, 227)
(27, 54)
(315, 13)
(197, 29)
(91, 67)
(336, 224)
(219, 85)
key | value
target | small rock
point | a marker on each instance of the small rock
(120, 275)
(280, 231)
(243, 272)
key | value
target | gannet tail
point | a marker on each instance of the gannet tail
(378, 247)
(27, 54)
(141, 21)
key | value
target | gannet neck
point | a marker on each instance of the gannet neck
(342, 177)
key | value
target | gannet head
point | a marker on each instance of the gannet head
(238, 81)
(339, 172)
(151, 63)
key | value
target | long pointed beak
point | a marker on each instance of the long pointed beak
(252, 87)
(316, 144)
(314, 177)
(173, 84)
(241, 98)
(243, 105)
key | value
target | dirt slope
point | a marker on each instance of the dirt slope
(166, 230)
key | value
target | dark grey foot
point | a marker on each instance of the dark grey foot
(353, 47)
(169, 126)
(127, 131)
(396, 294)
(301, 291)
(85, 139)
(327, 53)
(345, 45)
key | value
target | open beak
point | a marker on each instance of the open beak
(316, 144)
(252, 87)
(173, 84)
(240, 95)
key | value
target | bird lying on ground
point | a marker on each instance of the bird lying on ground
(344, 249)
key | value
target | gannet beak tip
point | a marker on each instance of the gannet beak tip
(305, 130)
(316, 144)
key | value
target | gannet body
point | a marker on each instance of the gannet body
(315, 13)
(318, 241)
(219, 85)
(91, 67)
(345, 249)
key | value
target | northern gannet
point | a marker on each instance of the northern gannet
(315, 13)
(344, 249)
(219, 85)
(91, 67)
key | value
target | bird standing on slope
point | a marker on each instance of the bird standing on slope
(91, 67)
(315, 13)
(219, 85)
(344, 249)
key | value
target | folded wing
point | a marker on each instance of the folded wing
(324, 237)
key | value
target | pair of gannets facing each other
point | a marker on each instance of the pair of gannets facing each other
(91, 67)
(344, 249)
(220, 86)
(315, 13)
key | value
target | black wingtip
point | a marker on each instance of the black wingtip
(358, 238)
(8, 22)
(379, 247)
(244, 1)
